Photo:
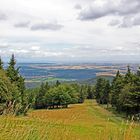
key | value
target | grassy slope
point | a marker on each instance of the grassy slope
(86, 121)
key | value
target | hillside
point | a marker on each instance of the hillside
(86, 121)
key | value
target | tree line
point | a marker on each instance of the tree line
(123, 93)
(16, 99)
(58, 95)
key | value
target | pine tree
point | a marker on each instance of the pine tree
(12, 72)
(128, 76)
(18, 81)
(57, 83)
(81, 95)
(106, 93)
(99, 89)
(40, 98)
(14, 76)
(89, 92)
(1, 63)
(138, 72)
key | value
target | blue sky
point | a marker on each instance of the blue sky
(70, 30)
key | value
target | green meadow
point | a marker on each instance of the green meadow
(87, 121)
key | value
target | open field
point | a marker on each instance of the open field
(86, 121)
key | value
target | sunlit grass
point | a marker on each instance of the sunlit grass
(86, 121)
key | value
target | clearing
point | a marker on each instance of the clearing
(86, 121)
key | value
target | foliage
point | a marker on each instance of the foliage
(12, 89)
(57, 96)
(1, 64)
(124, 93)
(102, 91)
(40, 101)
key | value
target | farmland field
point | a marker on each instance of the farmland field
(86, 121)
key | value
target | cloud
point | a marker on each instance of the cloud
(124, 8)
(3, 16)
(4, 45)
(130, 21)
(126, 22)
(35, 48)
(78, 6)
(94, 12)
(46, 26)
(136, 20)
(22, 24)
(114, 22)
(43, 37)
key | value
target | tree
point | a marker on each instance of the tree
(128, 76)
(58, 96)
(90, 93)
(106, 93)
(82, 94)
(57, 83)
(16, 79)
(9, 96)
(1, 64)
(14, 76)
(129, 99)
(99, 90)
(138, 72)
(102, 90)
(40, 98)
(116, 87)
(125, 92)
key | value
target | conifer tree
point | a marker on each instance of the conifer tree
(138, 72)
(18, 81)
(40, 98)
(12, 72)
(1, 63)
(14, 76)
(106, 93)
(89, 92)
(57, 83)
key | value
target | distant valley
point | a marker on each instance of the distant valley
(35, 73)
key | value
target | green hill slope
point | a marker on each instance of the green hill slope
(86, 121)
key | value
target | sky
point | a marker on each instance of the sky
(70, 30)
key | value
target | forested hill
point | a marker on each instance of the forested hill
(122, 92)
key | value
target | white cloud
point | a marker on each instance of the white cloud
(35, 48)
(24, 24)
(51, 30)
(46, 26)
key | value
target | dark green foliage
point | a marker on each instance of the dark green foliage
(58, 96)
(15, 99)
(129, 99)
(31, 96)
(40, 101)
(123, 94)
(138, 72)
(90, 92)
(102, 90)
(116, 87)
(12, 88)
(1, 64)
(10, 101)
(82, 94)
(106, 92)
(57, 83)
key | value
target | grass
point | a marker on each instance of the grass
(86, 121)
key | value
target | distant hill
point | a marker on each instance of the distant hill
(92, 81)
